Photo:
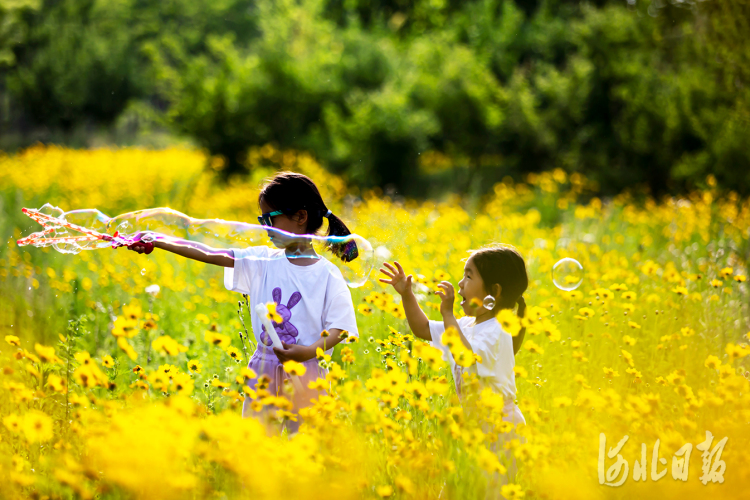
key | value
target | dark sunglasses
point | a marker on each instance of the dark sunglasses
(265, 219)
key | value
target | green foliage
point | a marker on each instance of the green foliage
(629, 94)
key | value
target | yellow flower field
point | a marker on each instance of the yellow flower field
(112, 387)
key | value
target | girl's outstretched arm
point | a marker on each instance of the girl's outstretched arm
(185, 248)
(418, 322)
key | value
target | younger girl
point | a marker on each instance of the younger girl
(310, 292)
(498, 271)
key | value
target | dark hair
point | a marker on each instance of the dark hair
(291, 192)
(503, 265)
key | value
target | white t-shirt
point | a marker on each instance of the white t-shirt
(310, 299)
(493, 344)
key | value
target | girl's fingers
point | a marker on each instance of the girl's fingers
(382, 280)
(400, 269)
(390, 275)
(393, 269)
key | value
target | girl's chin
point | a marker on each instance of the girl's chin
(468, 310)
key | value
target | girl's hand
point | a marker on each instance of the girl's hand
(447, 296)
(293, 352)
(398, 278)
(138, 245)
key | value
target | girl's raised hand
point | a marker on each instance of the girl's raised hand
(398, 278)
(447, 296)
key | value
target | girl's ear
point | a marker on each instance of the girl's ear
(497, 291)
(301, 217)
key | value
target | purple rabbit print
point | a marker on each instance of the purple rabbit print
(287, 331)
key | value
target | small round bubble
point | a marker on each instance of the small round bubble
(489, 302)
(143, 272)
(567, 274)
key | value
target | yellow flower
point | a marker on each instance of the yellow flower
(132, 311)
(82, 357)
(634, 325)
(533, 348)
(167, 345)
(627, 357)
(123, 344)
(364, 309)
(325, 334)
(294, 368)
(716, 283)
(56, 383)
(216, 339)
(47, 354)
(736, 351)
(680, 290)
(272, 314)
(108, 362)
(202, 318)
(712, 362)
(628, 340)
(125, 327)
(384, 491)
(318, 384)
(194, 366)
(489, 461)
(586, 312)
(13, 423)
(561, 402)
(13, 340)
(610, 373)
(442, 276)
(509, 321)
(520, 371)
(233, 352)
(511, 491)
(405, 484)
(726, 272)
(37, 427)
(183, 383)
(218, 383)
(461, 354)
(740, 278)
(629, 296)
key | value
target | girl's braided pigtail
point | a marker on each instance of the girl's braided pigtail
(518, 339)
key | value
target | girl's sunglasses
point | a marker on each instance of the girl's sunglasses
(265, 219)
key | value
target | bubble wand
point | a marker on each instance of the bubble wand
(262, 311)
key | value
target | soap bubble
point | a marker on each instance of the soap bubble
(567, 274)
(143, 272)
(352, 255)
(59, 234)
(489, 302)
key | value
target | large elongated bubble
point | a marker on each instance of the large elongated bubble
(77, 230)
